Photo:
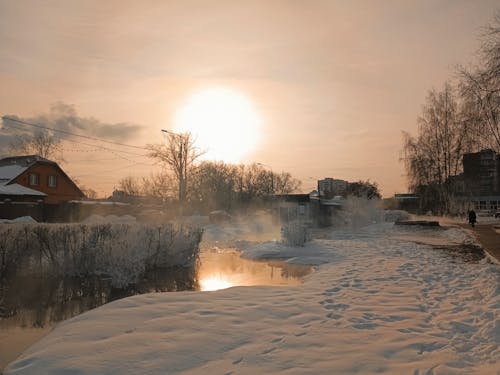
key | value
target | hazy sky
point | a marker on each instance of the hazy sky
(335, 82)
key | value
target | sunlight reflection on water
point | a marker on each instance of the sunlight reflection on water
(224, 268)
(215, 282)
(29, 306)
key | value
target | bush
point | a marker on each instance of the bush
(295, 233)
(121, 252)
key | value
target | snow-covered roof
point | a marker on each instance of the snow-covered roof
(16, 189)
(8, 172)
(339, 202)
(12, 167)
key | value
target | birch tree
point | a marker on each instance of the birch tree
(480, 86)
(434, 155)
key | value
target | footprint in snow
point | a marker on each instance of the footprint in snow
(237, 361)
(333, 316)
(267, 351)
(338, 307)
(365, 325)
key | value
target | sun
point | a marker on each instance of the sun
(224, 122)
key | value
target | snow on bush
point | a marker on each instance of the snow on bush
(295, 233)
(121, 252)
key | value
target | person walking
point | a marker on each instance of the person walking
(472, 218)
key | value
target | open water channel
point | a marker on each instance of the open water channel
(30, 307)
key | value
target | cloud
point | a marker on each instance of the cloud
(64, 117)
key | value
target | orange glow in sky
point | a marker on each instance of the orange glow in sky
(316, 88)
(225, 123)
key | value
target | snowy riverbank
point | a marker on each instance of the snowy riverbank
(378, 303)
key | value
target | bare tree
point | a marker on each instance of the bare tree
(130, 185)
(214, 185)
(159, 185)
(179, 154)
(434, 156)
(365, 189)
(40, 143)
(89, 193)
(285, 183)
(258, 182)
(481, 85)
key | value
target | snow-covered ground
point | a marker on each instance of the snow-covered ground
(378, 303)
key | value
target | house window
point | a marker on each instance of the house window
(52, 181)
(34, 179)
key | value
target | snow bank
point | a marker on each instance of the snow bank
(460, 236)
(22, 219)
(377, 304)
(98, 219)
(120, 251)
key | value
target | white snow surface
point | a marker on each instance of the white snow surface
(98, 219)
(8, 172)
(19, 220)
(377, 304)
(16, 189)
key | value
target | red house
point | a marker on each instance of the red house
(31, 178)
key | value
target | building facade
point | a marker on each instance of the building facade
(481, 173)
(37, 178)
(481, 179)
(331, 187)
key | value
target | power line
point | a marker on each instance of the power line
(113, 151)
(96, 173)
(92, 160)
(73, 134)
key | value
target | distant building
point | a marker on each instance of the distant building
(331, 187)
(307, 208)
(33, 178)
(482, 172)
(408, 202)
(481, 179)
(289, 207)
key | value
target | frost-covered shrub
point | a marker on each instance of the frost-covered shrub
(14, 245)
(295, 233)
(121, 252)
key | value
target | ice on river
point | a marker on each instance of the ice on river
(378, 303)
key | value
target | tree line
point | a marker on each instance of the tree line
(202, 186)
(211, 185)
(462, 117)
